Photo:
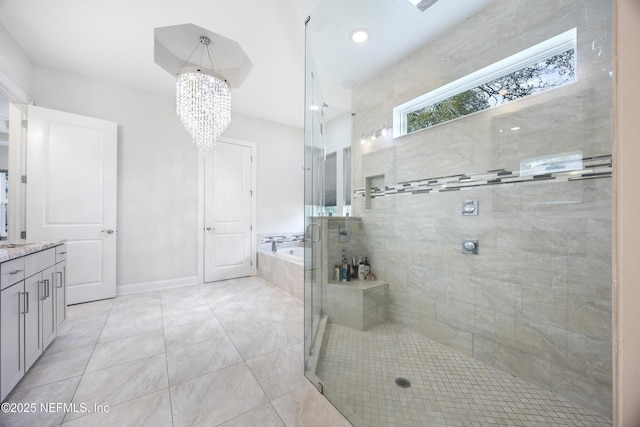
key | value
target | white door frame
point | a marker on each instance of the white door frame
(18, 101)
(201, 195)
(17, 168)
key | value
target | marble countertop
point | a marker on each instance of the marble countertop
(11, 250)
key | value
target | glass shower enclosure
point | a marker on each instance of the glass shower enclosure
(314, 155)
(479, 141)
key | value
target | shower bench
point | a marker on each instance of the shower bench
(357, 304)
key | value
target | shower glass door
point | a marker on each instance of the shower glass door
(314, 154)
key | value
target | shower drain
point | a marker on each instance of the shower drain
(403, 382)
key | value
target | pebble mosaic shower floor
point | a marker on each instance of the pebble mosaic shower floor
(358, 371)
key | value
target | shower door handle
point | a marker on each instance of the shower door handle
(310, 232)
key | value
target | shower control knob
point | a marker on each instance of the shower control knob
(470, 246)
(470, 207)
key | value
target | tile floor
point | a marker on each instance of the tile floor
(358, 372)
(224, 354)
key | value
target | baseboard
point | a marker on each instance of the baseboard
(133, 288)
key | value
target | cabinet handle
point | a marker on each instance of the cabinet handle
(26, 302)
(62, 253)
(14, 272)
(47, 288)
(61, 277)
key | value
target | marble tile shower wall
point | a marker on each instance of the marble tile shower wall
(536, 300)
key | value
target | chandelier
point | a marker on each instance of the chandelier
(203, 100)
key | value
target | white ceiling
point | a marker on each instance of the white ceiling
(396, 29)
(113, 40)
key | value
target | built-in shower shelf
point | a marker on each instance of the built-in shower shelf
(359, 304)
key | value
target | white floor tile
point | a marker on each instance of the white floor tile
(54, 367)
(119, 329)
(217, 397)
(151, 410)
(261, 340)
(75, 338)
(50, 395)
(238, 321)
(116, 352)
(279, 372)
(118, 384)
(186, 363)
(306, 407)
(192, 333)
(263, 416)
(222, 354)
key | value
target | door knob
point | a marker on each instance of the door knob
(210, 229)
(109, 231)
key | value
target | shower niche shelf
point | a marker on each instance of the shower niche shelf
(374, 185)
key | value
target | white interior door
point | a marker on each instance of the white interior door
(71, 169)
(228, 215)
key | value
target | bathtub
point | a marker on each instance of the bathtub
(284, 269)
(295, 254)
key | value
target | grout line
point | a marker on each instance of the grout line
(89, 359)
(166, 364)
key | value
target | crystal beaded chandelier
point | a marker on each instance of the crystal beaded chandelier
(203, 101)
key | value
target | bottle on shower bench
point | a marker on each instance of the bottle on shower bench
(367, 267)
(362, 275)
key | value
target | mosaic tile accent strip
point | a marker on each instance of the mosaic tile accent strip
(358, 371)
(283, 239)
(592, 167)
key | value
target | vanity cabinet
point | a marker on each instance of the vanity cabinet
(13, 304)
(29, 311)
(39, 324)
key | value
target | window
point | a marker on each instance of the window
(544, 66)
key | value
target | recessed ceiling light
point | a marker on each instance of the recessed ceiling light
(359, 35)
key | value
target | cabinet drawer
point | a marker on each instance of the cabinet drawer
(11, 272)
(39, 261)
(61, 253)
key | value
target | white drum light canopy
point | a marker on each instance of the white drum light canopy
(205, 76)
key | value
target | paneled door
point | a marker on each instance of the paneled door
(228, 216)
(71, 166)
